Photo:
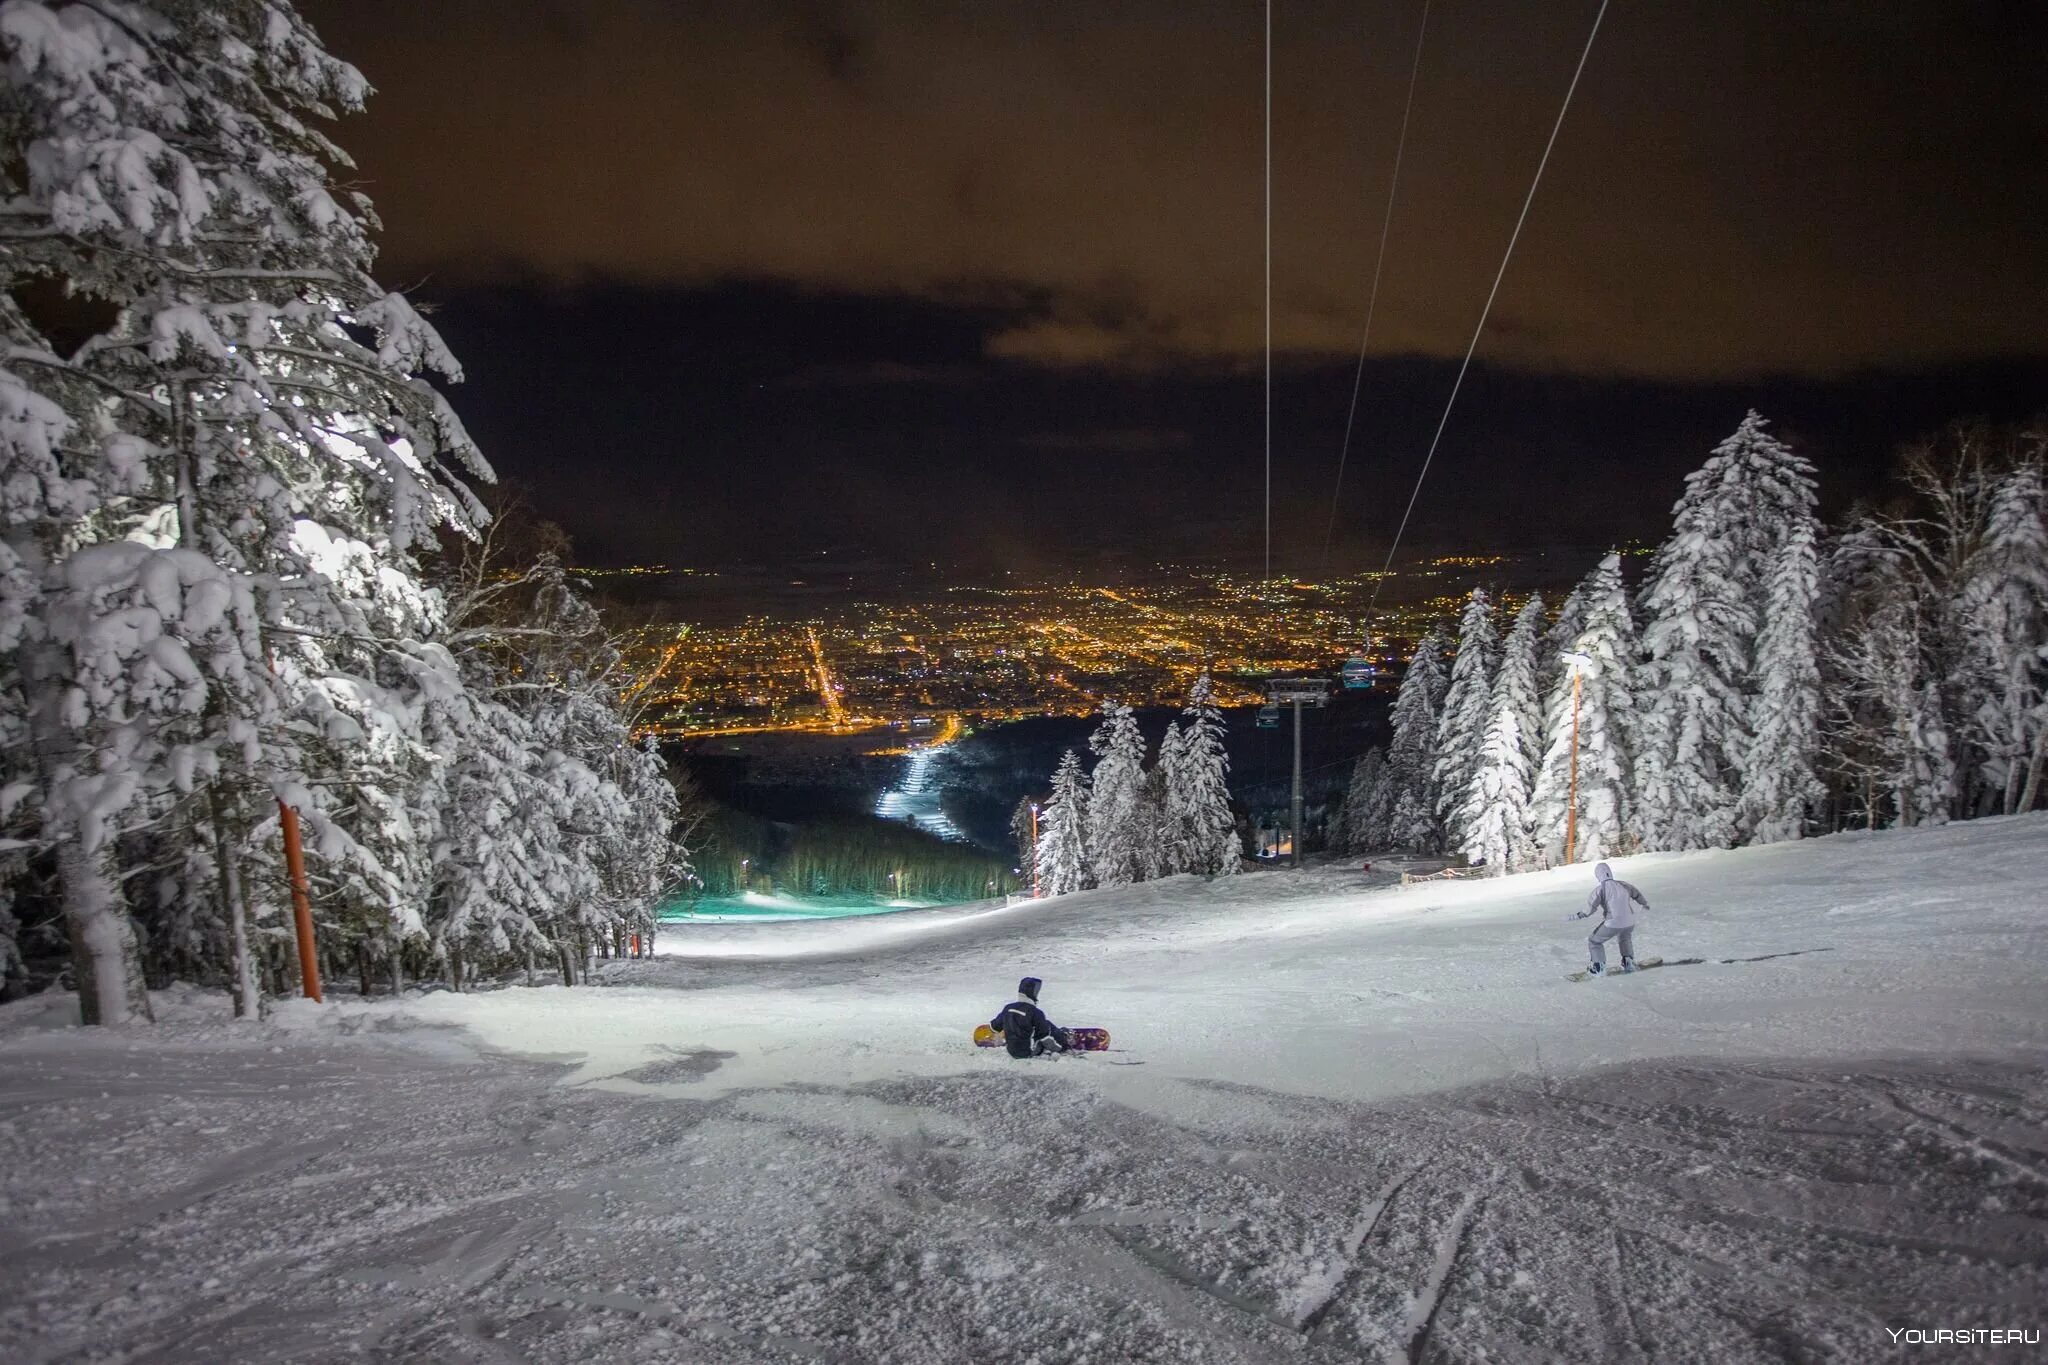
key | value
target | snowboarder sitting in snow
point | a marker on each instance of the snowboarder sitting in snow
(1025, 1029)
(1616, 901)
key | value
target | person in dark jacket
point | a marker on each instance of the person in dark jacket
(1025, 1029)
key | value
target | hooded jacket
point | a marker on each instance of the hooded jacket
(1024, 1026)
(1614, 898)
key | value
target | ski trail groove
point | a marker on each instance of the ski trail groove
(1310, 1318)
(1422, 1317)
(1963, 1140)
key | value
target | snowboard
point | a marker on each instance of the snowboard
(1643, 966)
(1085, 1039)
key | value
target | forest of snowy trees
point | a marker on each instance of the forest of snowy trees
(243, 578)
(1124, 822)
(1768, 680)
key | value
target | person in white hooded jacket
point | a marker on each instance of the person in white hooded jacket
(1616, 901)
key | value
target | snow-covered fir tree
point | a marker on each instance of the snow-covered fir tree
(1933, 669)
(2003, 610)
(1119, 825)
(1466, 716)
(1368, 804)
(1603, 658)
(1495, 818)
(1701, 624)
(1886, 732)
(1203, 831)
(1411, 758)
(1780, 784)
(1170, 852)
(1023, 831)
(210, 592)
(1063, 831)
(252, 379)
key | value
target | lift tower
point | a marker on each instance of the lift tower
(1297, 692)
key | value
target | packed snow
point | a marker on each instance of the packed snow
(1341, 1120)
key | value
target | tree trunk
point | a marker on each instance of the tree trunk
(568, 967)
(529, 964)
(2034, 772)
(454, 969)
(248, 998)
(363, 965)
(105, 955)
(397, 972)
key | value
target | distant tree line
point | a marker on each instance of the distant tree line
(841, 856)
(1769, 680)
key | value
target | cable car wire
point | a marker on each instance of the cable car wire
(1269, 292)
(1373, 298)
(1491, 295)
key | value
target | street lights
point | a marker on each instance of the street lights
(1578, 663)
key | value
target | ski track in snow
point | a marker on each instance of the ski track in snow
(1372, 1126)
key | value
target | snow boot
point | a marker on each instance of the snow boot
(1628, 964)
(1593, 969)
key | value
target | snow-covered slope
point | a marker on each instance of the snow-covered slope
(1933, 942)
(1342, 1123)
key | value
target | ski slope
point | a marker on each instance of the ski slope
(1343, 1122)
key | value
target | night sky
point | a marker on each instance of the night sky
(982, 282)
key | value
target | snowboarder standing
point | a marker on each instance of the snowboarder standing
(1616, 901)
(1025, 1029)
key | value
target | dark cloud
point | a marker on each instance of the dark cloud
(1743, 188)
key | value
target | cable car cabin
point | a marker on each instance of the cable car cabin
(1269, 716)
(1359, 674)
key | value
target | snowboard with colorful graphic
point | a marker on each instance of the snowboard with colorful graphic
(1085, 1039)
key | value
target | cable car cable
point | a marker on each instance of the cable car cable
(1373, 297)
(1269, 295)
(1492, 294)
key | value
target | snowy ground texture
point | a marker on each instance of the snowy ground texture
(1343, 1123)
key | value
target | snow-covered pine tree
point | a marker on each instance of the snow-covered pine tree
(1467, 713)
(1928, 785)
(1171, 850)
(1204, 828)
(1118, 828)
(1411, 758)
(1947, 573)
(1701, 628)
(1022, 831)
(1606, 650)
(1885, 725)
(2003, 608)
(1780, 787)
(1495, 818)
(1368, 810)
(251, 380)
(557, 831)
(1063, 831)
(1155, 851)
